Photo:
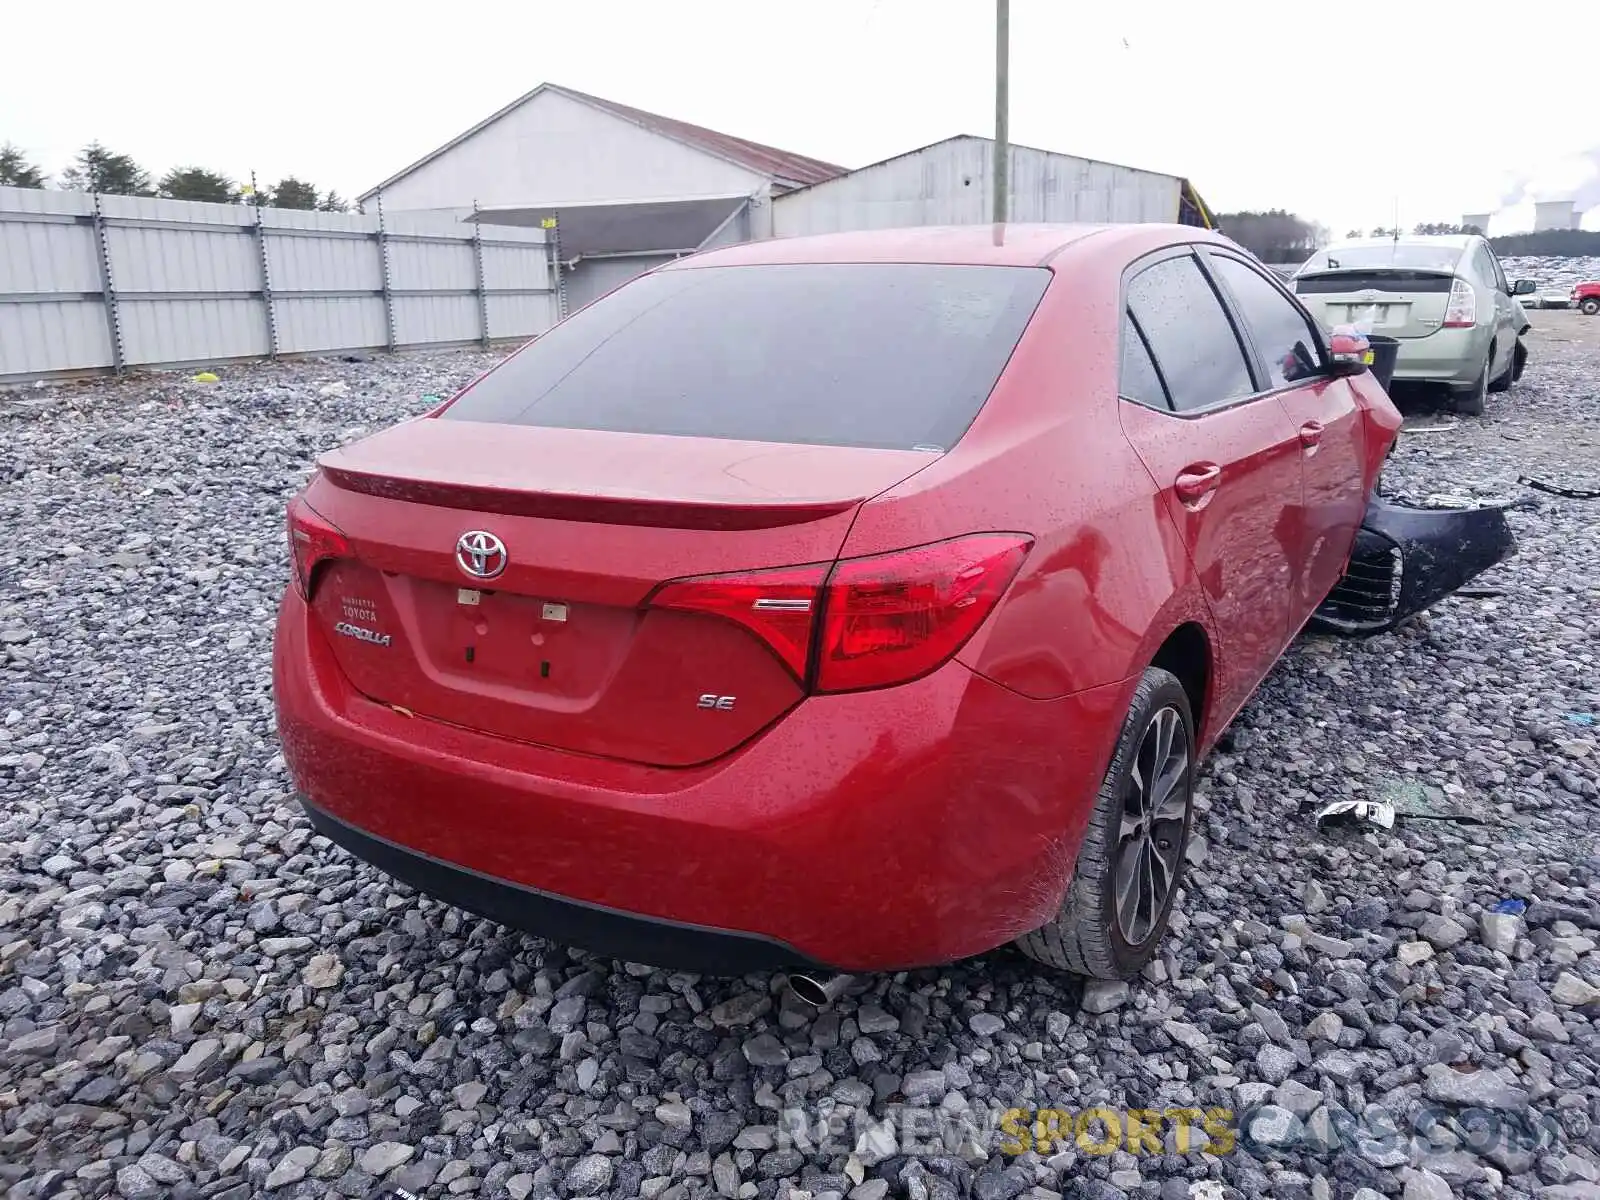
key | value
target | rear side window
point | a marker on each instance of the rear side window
(1279, 329)
(1492, 274)
(897, 356)
(1189, 334)
(1140, 381)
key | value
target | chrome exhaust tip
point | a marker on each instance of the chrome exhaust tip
(817, 993)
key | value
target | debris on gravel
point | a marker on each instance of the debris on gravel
(201, 998)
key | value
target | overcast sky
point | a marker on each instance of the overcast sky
(1334, 111)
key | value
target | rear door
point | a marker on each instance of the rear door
(1225, 459)
(1507, 325)
(1291, 362)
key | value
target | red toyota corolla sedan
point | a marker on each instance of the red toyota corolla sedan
(861, 601)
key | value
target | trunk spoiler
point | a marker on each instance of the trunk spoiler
(601, 508)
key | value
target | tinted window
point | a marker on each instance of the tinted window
(1280, 331)
(1422, 256)
(1189, 334)
(893, 356)
(1139, 378)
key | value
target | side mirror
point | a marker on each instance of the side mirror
(1524, 287)
(1348, 354)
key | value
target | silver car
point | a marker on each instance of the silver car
(1444, 298)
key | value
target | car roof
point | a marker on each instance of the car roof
(1004, 245)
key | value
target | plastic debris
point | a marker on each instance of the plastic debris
(334, 389)
(1514, 908)
(1580, 718)
(1355, 812)
(1555, 489)
(204, 377)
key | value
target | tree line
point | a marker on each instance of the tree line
(1273, 235)
(98, 169)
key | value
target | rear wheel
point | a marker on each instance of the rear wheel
(1590, 306)
(1470, 400)
(1131, 860)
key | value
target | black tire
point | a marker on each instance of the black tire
(1089, 936)
(1519, 361)
(1590, 306)
(1503, 382)
(1470, 401)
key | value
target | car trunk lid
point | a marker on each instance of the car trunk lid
(558, 646)
(1397, 303)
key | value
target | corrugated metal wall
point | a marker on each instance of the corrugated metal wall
(948, 183)
(111, 281)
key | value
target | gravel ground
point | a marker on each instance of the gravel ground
(200, 998)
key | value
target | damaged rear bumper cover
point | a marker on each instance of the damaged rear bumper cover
(1408, 558)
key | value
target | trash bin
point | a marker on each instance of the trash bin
(1385, 352)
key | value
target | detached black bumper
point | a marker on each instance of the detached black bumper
(604, 931)
(1407, 558)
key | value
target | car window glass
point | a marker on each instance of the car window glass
(890, 355)
(1279, 329)
(1384, 255)
(1190, 336)
(1496, 272)
(1483, 266)
(1140, 381)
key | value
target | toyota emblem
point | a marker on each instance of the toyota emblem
(481, 554)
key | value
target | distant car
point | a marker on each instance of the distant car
(1586, 298)
(1445, 298)
(1546, 298)
(866, 600)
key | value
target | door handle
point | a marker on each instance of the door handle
(1195, 483)
(1311, 434)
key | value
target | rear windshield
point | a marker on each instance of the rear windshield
(1401, 255)
(898, 356)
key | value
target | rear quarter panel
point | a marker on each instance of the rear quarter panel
(1108, 577)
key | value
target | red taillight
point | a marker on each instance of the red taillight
(895, 617)
(884, 620)
(1462, 311)
(777, 606)
(312, 538)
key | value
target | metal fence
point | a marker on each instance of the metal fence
(91, 282)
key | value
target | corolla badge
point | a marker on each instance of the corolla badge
(481, 554)
(362, 634)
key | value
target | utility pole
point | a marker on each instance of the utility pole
(1002, 102)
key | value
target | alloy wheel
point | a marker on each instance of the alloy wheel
(1150, 840)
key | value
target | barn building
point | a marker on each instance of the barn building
(627, 190)
(951, 183)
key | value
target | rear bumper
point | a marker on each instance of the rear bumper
(1450, 356)
(905, 827)
(606, 931)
